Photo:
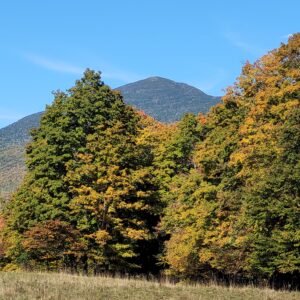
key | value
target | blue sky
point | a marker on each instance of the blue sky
(46, 45)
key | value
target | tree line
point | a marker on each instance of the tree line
(109, 189)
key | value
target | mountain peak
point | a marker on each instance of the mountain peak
(158, 78)
(153, 78)
(165, 99)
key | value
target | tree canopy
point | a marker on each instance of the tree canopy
(111, 189)
(237, 212)
(87, 173)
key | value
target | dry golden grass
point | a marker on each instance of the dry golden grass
(23, 286)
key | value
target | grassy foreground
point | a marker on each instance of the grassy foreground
(64, 286)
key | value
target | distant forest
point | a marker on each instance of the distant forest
(217, 195)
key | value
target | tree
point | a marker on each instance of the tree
(176, 156)
(246, 179)
(114, 200)
(54, 244)
(68, 140)
(2, 242)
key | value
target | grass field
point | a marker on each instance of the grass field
(64, 286)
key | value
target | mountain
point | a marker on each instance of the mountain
(166, 100)
(18, 132)
(12, 143)
(161, 98)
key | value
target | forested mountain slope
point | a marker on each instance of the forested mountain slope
(166, 100)
(12, 145)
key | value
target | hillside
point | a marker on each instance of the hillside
(12, 142)
(161, 98)
(18, 132)
(166, 100)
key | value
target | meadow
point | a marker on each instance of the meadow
(26, 285)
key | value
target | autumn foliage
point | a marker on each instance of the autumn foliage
(237, 212)
(111, 189)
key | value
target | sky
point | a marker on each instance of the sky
(46, 45)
